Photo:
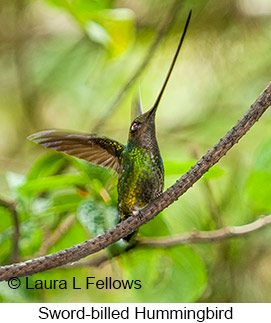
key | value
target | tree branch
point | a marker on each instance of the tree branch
(207, 236)
(161, 33)
(5, 203)
(186, 238)
(172, 194)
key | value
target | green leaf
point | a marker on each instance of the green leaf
(96, 218)
(82, 5)
(93, 171)
(112, 28)
(119, 26)
(188, 271)
(52, 182)
(170, 275)
(98, 33)
(4, 236)
(30, 238)
(157, 227)
(213, 173)
(112, 217)
(258, 186)
(263, 159)
(6, 218)
(47, 165)
(91, 216)
(259, 191)
(67, 203)
(173, 168)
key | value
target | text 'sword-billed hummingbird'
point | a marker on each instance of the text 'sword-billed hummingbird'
(138, 164)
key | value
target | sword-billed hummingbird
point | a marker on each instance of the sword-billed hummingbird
(138, 164)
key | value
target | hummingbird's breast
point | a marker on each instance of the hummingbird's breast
(141, 179)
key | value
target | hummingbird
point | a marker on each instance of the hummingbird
(138, 164)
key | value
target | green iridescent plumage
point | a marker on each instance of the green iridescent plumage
(140, 180)
(138, 164)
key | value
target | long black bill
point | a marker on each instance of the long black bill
(154, 108)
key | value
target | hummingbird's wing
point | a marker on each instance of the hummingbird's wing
(100, 151)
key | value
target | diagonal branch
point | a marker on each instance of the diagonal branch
(124, 228)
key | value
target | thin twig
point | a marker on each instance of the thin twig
(5, 203)
(57, 234)
(193, 237)
(207, 236)
(172, 194)
(161, 33)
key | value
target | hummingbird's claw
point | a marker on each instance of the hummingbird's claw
(138, 214)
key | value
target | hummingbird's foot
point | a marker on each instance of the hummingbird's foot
(138, 214)
(159, 194)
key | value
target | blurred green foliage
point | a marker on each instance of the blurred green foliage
(61, 62)
(113, 28)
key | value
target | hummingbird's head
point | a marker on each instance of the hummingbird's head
(142, 129)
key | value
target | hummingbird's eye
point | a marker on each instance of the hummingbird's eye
(135, 126)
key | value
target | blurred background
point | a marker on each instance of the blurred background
(62, 65)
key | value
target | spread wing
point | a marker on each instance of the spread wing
(100, 151)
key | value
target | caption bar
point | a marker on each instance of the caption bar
(136, 313)
(75, 312)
